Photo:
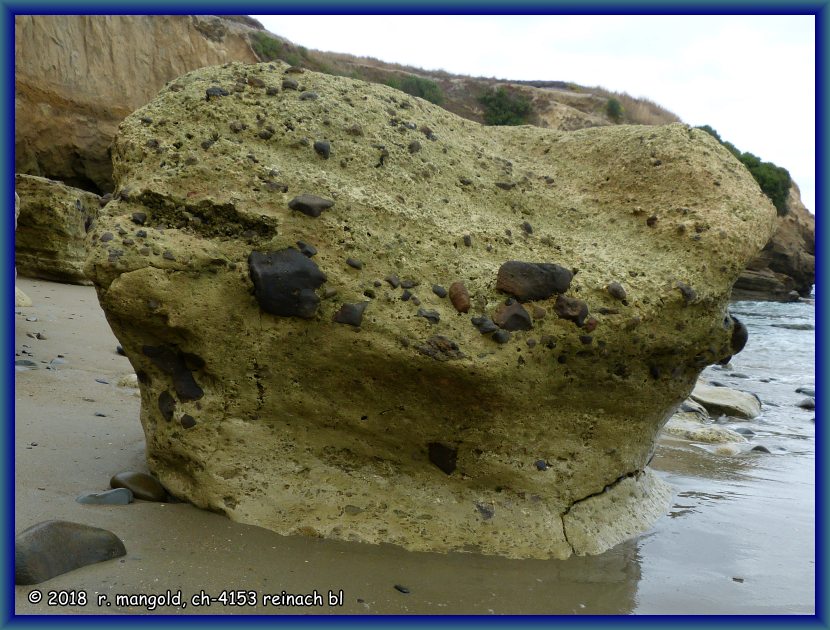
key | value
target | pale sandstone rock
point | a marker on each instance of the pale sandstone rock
(410, 426)
(726, 401)
(52, 226)
(689, 426)
(20, 298)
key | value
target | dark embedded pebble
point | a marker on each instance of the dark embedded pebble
(290, 84)
(355, 263)
(541, 464)
(745, 431)
(142, 485)
(415, 300)
(460, 297)
(188, 421)
(377, 283)
(531, 343)
(652, 220)
(167, 405)
(760, 449)
(265, 134)
(117, 496)
(103, 381)
(139, 218)
(174, 363)
(440, 348)
(807, 391)
(487, 511)
(432, 316)
(414, 146)
(309, 96)
(406, 295)
(506, 185)
(52, 548)
(272, 91)
(306, 249)
(501, 336)
(310, 205)
(688, 293)
(465, 181)
(590, 324)
(532, 281)
(539, 312)
(351, 314)
(468, 240)
(527, 227)
(808, 403)
(409, 284)
(616, 290)
(571, 309)
(237, 126)
(548, 341)
(369, 293)
(401, 589)
(393, 281)
(438, 290)
(141, 234)
(285, 282)
(107, 236)
(98, 414)
(276, 186)
(168, 255)
(329, 293)
(512, 316)
(323, 148)
(443, 456)
(294, 70)
(586, 339)
(485, 325)
(215, 91)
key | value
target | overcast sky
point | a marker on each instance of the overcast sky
(750, 77)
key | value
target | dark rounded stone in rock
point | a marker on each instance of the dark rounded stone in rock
(309, 96)
(285, 281)
(266, 134)
(310, 205)
(120, 350)
(808, 391)
(527, 227)
(414, 146)
(406, 295)
(616, 290)
(487, 511)
(52, 548)
(745, 431)
(139, 218)
(168, 255)
(468, 240)
(409, 284)
(740, 335)
(571, 308)
(443, 456)
(294, 70)
(370, 293)
(532, 281)
(432, 316)
(107, 236)
(512, 316)
(355, 263)
(415, 300)
(142, 485)
(501, 336)
(586, 339)
(323, 148)
(506, 185)
(548, 341)
(760, 449)
(440, 348)
(541, 464)
(485, 325)
(290, 84)
(167, 405)
(652, 220)
(116, 496)
(531, 342)
(215, 91)
(306, 249)
(141, 234)
(460, 297)
(808, 403)
(351, 314)
(188, 421)
(401, 589)
(590, 324)
(438, 290)
(272, 91)
(688, 293)
(393, 281)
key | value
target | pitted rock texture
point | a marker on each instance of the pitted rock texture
(52, 228)
(399, 430)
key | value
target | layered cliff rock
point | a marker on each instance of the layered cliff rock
(78, 76)
(356, 315)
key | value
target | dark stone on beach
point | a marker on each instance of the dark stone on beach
(745, 431)
(306, 249)
(354, 263)
(460, 297)
(740, 335)
(795, 326)
(323, 148)
(285, 281)
(401, 589)
(808, 403)
(117, 496)
(760, 449)
(440, 348)
(501, 336)
(485, 325)
(167, 405)
(142, 485)
(616, 290)
(738, 375)
(571, 309)
(432, 316)
(532, 281)
(52, 548)
(310, 205)
(807, 391)
(512, 316)
(120, 350)
(351, 314)
(443, 456)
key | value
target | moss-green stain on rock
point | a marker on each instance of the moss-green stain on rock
(302, 418)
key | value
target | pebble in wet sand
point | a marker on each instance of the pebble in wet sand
(52, 548)
(460, 297)
(116, 496)
(142, 485)
(532, 281)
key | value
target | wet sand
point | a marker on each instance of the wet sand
(730, 545)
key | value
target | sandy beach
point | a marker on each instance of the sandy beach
(75, 428)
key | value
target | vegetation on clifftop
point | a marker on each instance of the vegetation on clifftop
(503, 108)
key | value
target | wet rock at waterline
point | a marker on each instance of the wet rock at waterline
(725, 401)
(116, 496)
(52, 548)
(143, 486)
(302, 413)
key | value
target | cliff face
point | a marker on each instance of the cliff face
(78, 76)
(786, 268)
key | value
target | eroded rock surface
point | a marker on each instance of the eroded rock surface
(423, 426)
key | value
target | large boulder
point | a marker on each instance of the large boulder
(20, 298)
(51, 229)
(291, 235)
(726, 401)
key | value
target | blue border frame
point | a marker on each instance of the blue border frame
(7, 12)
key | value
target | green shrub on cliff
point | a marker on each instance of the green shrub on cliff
(503, 108)
(418, 86)
(774, 180)
(266, 47)
(614, 109)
